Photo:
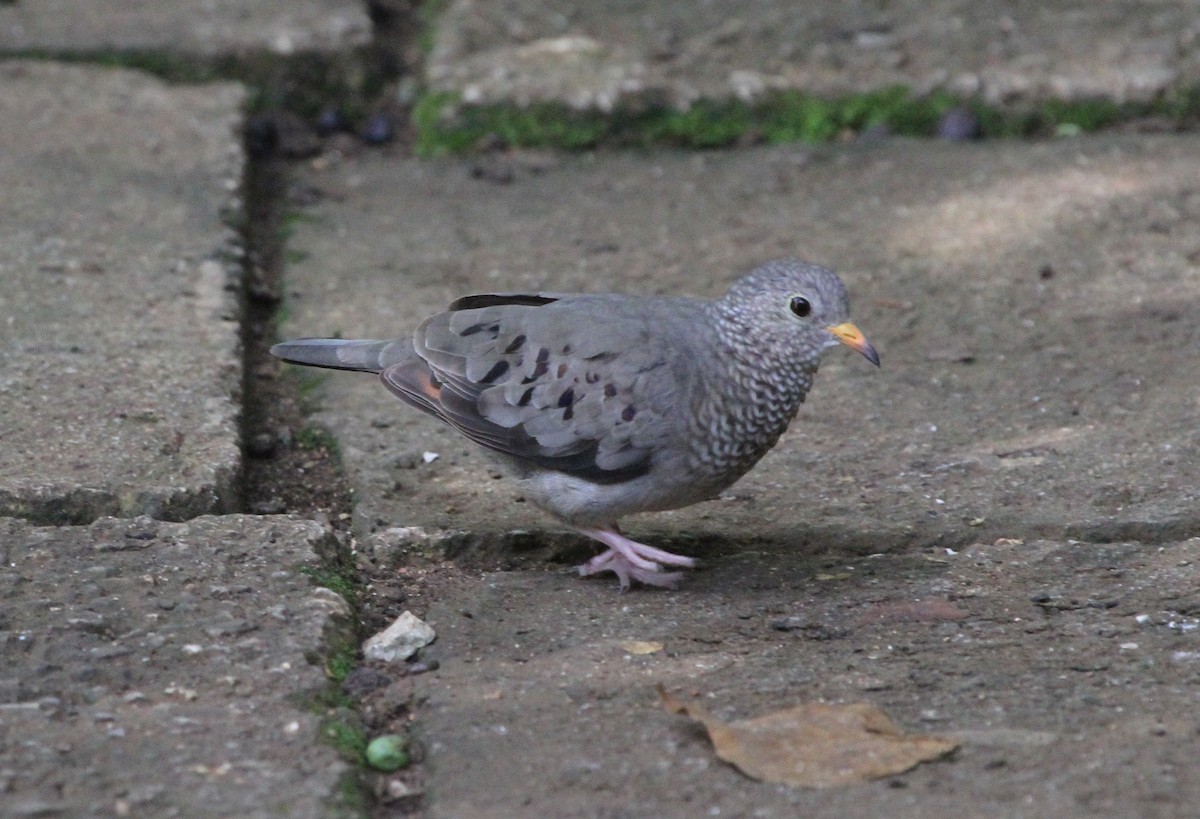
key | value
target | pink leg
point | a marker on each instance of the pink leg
(631, 560)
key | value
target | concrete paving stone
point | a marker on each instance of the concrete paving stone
(595, 54)
(119, 271)
(1067, 671)
(986, 537)
(164, 669)
(1035, 306)
(211, 28)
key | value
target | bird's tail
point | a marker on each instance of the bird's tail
(363, 355)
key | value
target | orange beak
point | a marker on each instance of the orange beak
(853, 338)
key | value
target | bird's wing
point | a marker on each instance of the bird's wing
(579, 384)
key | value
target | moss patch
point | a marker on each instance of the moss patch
(314, 438)
(444, 125)
(336, 578)
(343, 731)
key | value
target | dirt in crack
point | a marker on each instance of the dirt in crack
(292, 467)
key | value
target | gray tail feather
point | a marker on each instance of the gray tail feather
(364, 355)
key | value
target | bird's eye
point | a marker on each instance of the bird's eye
(801, 306)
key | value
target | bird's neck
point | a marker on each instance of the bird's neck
(756, 393)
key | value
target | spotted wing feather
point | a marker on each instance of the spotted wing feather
(571, 383)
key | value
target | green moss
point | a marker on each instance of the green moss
(351, 799)
(428, 13)
(342, 729)
(796, 117)
(314, 438)
(435, 135)
(444, 124)
(290, 224)
(334, 578)
(295, 256)
(704, 125)
(1084, 115)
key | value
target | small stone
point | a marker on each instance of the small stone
(330, 121)
(272, 506)
(407, 460)
(424, 666)
(379, 129)
(493, 170)
(261, 445)
(398, 789)
(399, 641)
(363, 680)
(959, 125)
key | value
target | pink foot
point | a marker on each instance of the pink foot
(630, 560)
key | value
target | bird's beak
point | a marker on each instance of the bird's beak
(853, 338)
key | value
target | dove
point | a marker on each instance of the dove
(602, 406)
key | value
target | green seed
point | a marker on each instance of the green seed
(387, 753)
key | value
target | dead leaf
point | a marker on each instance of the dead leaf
(815, 745)
(918, 611)
(837, 576)
(640, 646)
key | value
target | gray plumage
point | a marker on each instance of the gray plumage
(607, 405)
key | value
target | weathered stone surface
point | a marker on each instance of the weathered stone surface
(1051, 662)
(907, 544)
(182, 27)
(407, 635)
(592, 55)
(160, 669)
(119, 393)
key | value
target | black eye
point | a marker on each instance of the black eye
(800, 306)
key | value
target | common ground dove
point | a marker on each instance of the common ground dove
(607, 405)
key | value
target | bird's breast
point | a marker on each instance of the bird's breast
(733, 429)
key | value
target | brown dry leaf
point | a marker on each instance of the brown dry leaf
(837, 576)
(641, 646)
(815, 745)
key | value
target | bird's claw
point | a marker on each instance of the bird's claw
(626, 571)
(630, 560)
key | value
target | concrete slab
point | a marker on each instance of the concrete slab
(1035, 306)
(1066, 670)
(597, 54)
(215, 27)
(119, 303)
(155, 669)
(986, 537)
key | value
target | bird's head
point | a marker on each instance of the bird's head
(797, 305)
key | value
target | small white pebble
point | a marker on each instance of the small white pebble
(429, 457)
